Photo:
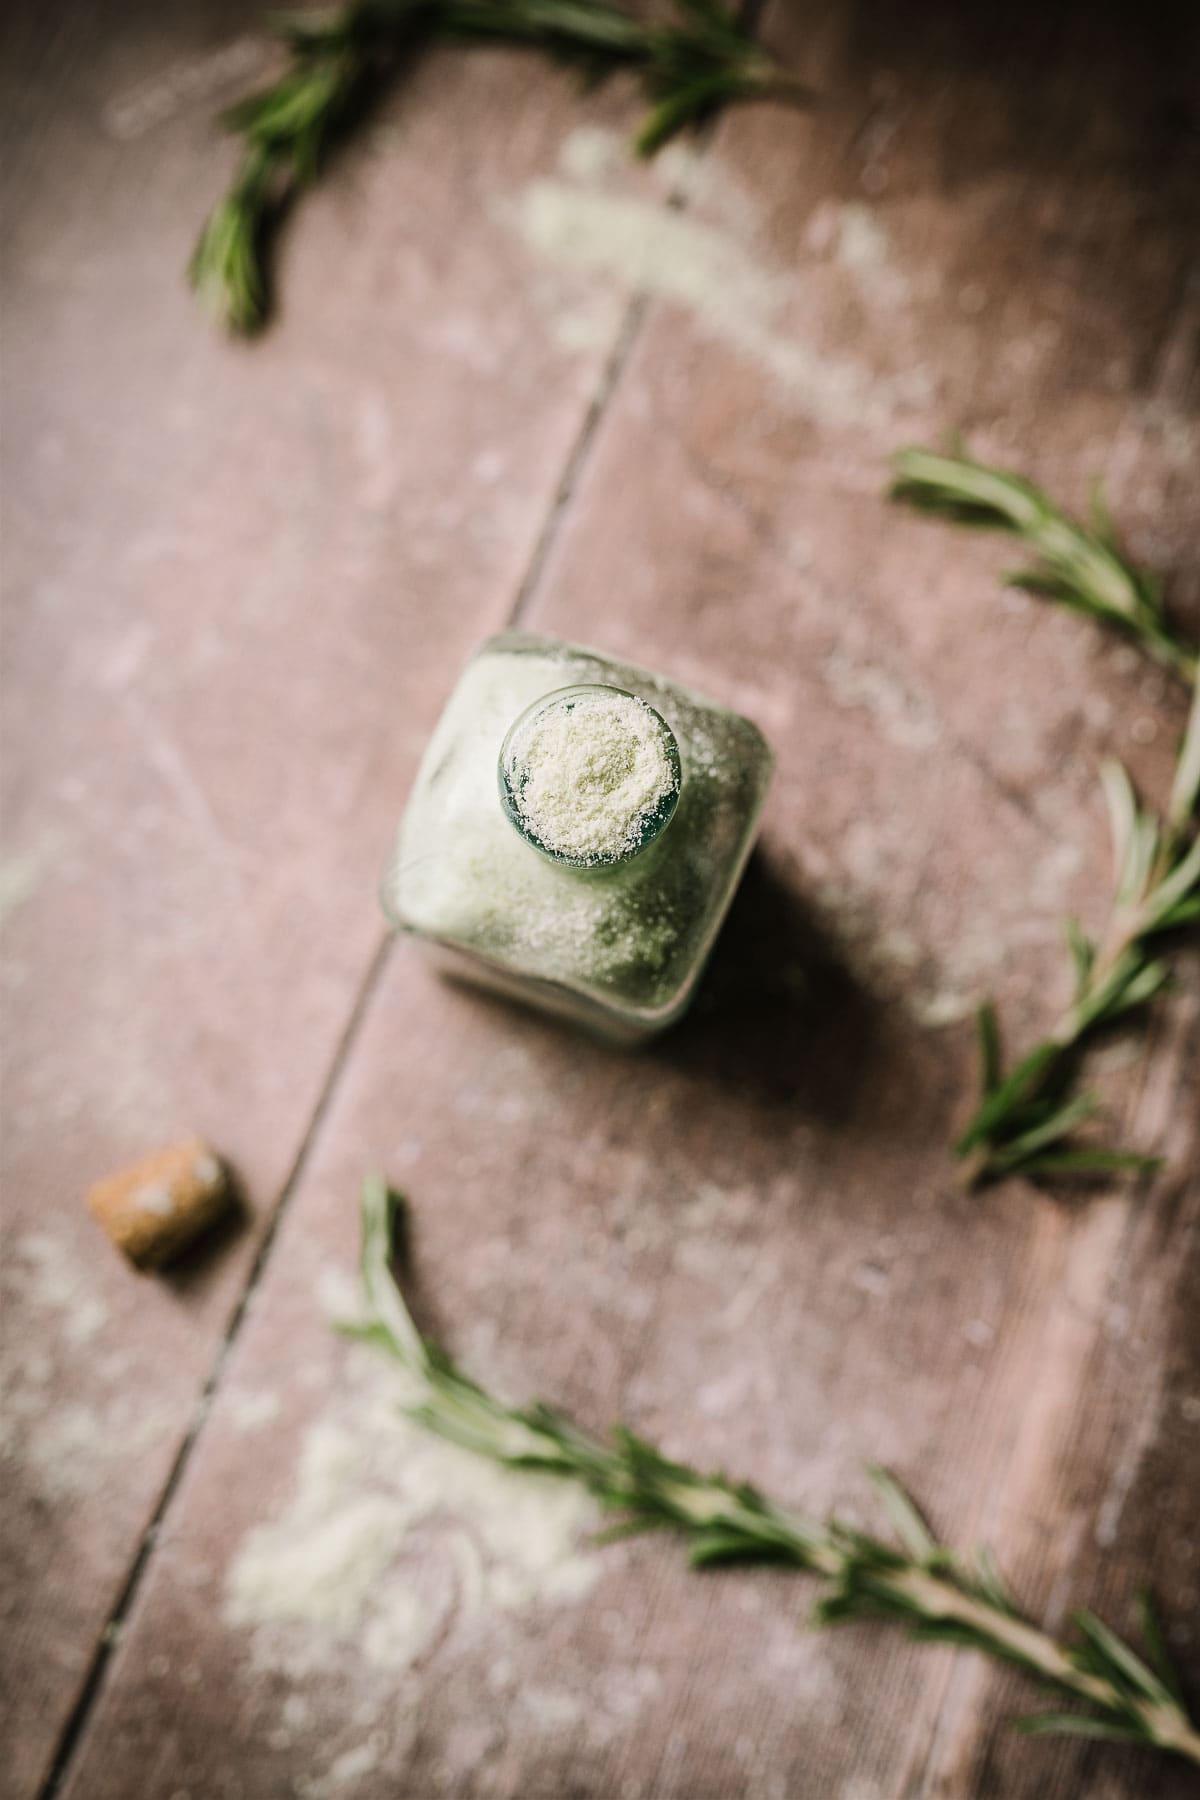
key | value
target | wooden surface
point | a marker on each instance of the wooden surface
(514, 378)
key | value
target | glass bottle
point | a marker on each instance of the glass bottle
(615, 942)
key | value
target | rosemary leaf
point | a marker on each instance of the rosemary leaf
(990, 1584)
(991, 1060)
(907, 1522)
(917, 1583)
(1078, 1725)
(1116, 1660)
(1184, 804)
(1077, 567)
(1091, 1161)
(1156, 1644)
(1011, 1096)
(226, 267)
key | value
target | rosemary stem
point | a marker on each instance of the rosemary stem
(1129, 923)
(935, 1598)
(689, 62)
(918, 1591)
(1028, 1116)
(696, 1505)
(938, 1599)
(1124, 929)
(920, 1584)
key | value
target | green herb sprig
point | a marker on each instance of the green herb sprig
(1028, 1115)
(914, 1581)
(687, 69)
(1080, 568)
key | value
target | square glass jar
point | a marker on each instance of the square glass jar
(617, 949)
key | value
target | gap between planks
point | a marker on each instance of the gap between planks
(77, 1719)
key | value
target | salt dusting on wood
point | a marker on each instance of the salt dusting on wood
(730, 295)
(392, 1536)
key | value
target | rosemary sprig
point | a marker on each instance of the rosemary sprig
(1079, 568)
(1028, 1115)
(688, 69)
(914, 1581)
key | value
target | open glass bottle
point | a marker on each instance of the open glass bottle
(614, 940)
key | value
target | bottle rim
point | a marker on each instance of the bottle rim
(651, 825)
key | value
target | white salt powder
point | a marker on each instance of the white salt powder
(390, 1534)
(592, 770)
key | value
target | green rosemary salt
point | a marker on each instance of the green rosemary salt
(593, 769)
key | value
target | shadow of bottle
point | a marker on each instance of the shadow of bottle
(783, 1019)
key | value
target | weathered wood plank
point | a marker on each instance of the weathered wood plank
(238, 581)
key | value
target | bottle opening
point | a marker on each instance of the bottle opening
(590, 776)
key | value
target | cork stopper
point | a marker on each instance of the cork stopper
(156, 1209)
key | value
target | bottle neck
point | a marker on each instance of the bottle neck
(590, 776)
